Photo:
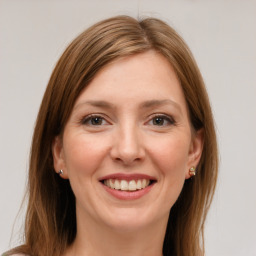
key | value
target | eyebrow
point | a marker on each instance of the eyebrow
(156, 103)
(97, 103)
(146, 104)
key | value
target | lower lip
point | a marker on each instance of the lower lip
(128, 195)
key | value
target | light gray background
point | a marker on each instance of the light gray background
(222, 36)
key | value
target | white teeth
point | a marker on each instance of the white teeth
(112, 183)
(132, 185)
(117, 184)
(125, 185)
(138, 184)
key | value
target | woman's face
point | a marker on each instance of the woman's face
(128, 144)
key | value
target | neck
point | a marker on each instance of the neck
(95, 239)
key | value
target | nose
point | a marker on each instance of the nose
(127, 147)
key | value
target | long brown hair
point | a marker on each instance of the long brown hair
(50, 225)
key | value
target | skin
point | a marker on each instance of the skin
(141, 126)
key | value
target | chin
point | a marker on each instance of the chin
(133, 219)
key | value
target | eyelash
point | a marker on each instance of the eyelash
(87, 119)
(166, 119)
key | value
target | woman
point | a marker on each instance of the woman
(124, 126)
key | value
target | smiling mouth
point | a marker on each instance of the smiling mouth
(128, 185)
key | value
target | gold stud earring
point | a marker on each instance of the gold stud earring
(192, 171)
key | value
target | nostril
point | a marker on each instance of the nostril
(127, 150)
(127, 161)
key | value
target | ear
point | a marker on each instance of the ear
(195, 151)
(58, 157)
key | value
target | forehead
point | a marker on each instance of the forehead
(142, 77)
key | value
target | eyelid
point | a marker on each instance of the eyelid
(90, 116)
(167, 117)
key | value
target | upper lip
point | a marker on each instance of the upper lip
(128, 177)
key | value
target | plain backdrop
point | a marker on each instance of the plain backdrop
(222, 36)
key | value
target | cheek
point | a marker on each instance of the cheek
(170, 159)
(171, 156)
(82, 155)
